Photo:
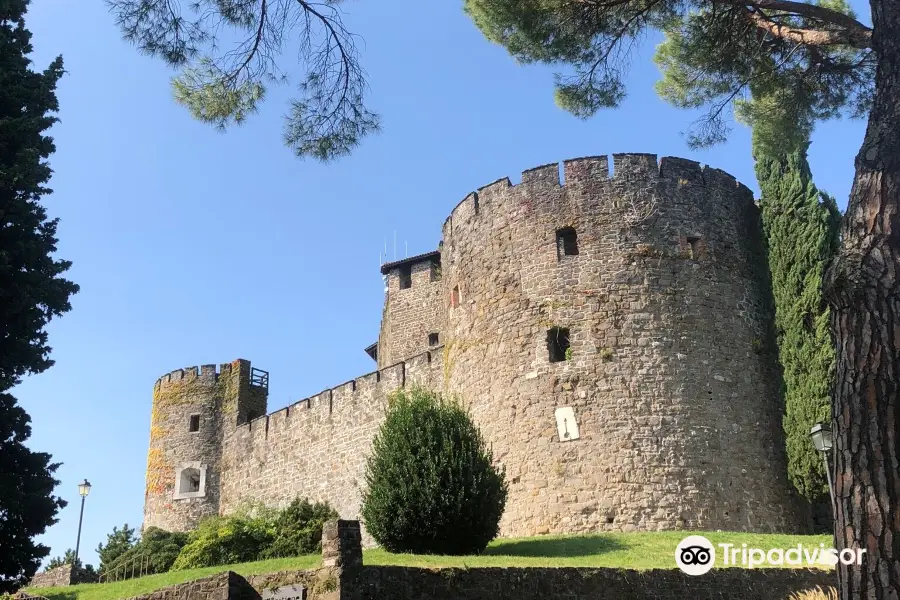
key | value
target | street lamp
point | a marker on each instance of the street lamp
(84, 488)
(822, 440)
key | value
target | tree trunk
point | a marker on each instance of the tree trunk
(864, 293)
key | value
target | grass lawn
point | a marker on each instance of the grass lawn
(645, 550)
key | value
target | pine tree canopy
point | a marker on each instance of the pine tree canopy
(815, 59)
(229, 50)
(68, 558)
(118, 542)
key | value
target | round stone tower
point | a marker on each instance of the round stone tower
(612, 336)
(192, 408)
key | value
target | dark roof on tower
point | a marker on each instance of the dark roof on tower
(386, 267)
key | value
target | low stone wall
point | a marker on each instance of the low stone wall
(221, 586)
(61, 576)
(389, 583)
(408, 583)
(344, 577)
(53, 577)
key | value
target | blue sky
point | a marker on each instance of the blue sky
(194, 247)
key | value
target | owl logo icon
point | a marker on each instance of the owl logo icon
(695, 555)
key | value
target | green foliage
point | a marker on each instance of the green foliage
(298, 529)
(712, 55)
(67, 558)
(229, 51)
(33, 292)
(431, 485)
(801, 226)
(117, 543)
(241, 537)
(87, 572)
(212, 98)
(255, 532)
(784, 99)
(159, 548)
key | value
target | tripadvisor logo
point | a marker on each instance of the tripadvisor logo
(696, 555)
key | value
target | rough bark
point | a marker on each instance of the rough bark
(863, 291)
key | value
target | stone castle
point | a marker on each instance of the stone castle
(611, 335)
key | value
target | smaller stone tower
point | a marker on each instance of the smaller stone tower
(192, 409)
(414, 314)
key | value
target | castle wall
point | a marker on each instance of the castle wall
(316, 448)
(410, 314)
(672, 378)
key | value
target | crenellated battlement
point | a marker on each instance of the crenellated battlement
(629, 170)
(205, 372)
(333, 399)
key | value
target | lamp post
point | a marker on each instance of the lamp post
(822, 440)
(84, 488)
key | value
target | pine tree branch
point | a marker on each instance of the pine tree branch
(838, 29)
(857, 37)
(819, 13)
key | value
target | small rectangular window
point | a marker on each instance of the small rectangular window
(566, 242)
(694, 243)
(405, 277)
(454, 297)
(434, 339)
(195, 423)
(558, 343)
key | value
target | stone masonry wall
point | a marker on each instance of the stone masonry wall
(673, 377)
(410, 314)
(227, 585)
(60, 576)
(316, 448)
(573, 583)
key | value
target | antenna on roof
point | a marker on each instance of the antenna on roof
(395, 244)
(407, 250)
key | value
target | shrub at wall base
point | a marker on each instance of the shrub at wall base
(432, 487)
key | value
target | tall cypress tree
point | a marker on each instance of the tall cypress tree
(32, 291)
(801, 226)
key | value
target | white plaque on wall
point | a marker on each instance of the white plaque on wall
(565, 424)
(288, 592)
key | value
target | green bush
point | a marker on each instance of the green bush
(298, 529)
(160, 548)
(237, 538)
(255, 532)
(432, 488)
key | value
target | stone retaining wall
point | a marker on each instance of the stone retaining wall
(53, 577)
(60, 576)
(344, 577)
(396, 583)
